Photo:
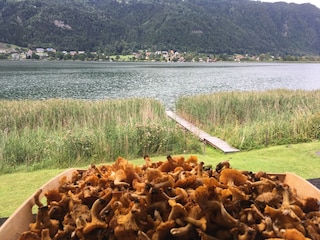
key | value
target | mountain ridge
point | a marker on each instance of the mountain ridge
(120, 27)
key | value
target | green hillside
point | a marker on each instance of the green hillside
(119, 27)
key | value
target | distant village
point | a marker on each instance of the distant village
(12, 52)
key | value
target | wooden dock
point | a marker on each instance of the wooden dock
(203, 136)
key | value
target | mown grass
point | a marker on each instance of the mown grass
(302, 159)
(63, 133)
(253, 120)
(15, 188)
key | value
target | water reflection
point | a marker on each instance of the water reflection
(163, 81)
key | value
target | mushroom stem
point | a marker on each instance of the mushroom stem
(45, 234)
(119, 183)
(222, 217)
(110, 197)
(143, 236)
(37, 198)
(268, 232)
(257, 211)
(181, 231)
(227, 219)
(165, 184)
(97, 170)
(180, 194)
(96, 222)
(51, 224)
(119, 179)
(200, 169)
(201, 223)
(263, 185)
(147, 161)
(37, 226)
(177, 210)
(312, 230)
(293, 211)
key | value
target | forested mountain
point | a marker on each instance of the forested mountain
(119, 26)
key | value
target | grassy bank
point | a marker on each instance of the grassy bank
(253, 120)
(62, 133)
(56, 134)
(302, 159)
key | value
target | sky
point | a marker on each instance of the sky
(313, 2)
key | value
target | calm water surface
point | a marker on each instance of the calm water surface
(163, 81)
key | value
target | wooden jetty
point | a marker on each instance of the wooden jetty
(203, 136)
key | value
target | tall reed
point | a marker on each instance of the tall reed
(251, 120)
(66, 132)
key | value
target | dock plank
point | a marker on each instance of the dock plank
(203, 136)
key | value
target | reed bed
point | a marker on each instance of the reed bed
(37, 134)
(252, 120)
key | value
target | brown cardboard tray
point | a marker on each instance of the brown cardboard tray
(19, 221)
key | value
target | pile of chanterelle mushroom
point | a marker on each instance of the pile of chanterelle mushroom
(173, 199)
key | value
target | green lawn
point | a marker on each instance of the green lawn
(302, 159)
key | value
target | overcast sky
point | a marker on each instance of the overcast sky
(314, 2)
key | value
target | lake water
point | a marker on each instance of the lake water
(162, 81)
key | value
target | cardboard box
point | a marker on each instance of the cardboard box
(19, 221)
(304, 188)
(23, 216)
